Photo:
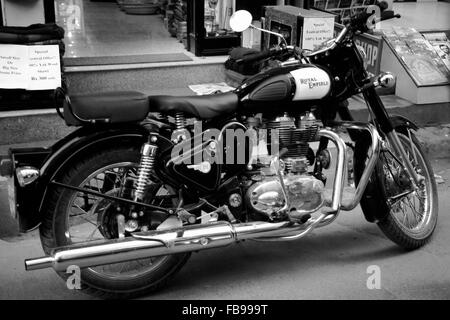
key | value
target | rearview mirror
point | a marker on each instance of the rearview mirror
(240, 20)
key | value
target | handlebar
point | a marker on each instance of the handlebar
(255, 56)
(358, 23)
(261, 55)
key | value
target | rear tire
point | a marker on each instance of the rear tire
(395, 225)
(54, 231)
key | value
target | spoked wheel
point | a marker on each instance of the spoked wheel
(406, 215)
(413, 212)
(75, 217)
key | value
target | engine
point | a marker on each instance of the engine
(294, 135)
(303, 191)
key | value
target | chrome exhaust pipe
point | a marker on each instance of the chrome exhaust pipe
(157, 243)
(195, 237)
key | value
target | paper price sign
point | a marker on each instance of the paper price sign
(30, 67)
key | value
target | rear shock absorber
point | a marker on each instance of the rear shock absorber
(148, 155)
(179, 120)
(180, 132)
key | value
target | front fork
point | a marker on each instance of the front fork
(385, 124)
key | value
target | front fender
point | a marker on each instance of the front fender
(53, 161)
(401, 123)
(374, 208)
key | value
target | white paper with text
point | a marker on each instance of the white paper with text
(316, 31)
(13, 66)
(30, 67)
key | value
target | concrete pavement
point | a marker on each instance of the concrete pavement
(331, 263)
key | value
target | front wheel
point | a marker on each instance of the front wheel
(73, 217)
(409, 216)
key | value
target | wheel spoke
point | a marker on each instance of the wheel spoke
(93, 232)
(85, 210)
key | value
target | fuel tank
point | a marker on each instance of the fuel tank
(311, 83)
(304, 83)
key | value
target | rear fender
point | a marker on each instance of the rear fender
(52, 161)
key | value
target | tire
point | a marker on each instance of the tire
(375, 199)
(55, 223)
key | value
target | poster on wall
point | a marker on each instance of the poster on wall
(441, 45)
(30, 67)
(316, 31)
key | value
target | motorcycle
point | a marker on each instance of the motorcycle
(141, 184)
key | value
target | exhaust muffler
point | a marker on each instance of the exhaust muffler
(157, 243)
(193, 237)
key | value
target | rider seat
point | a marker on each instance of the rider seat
(202, 107)
(133, 106)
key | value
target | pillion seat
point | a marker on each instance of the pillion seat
(202, 107)
(110, 107)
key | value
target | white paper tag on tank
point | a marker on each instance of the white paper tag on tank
(311, 83)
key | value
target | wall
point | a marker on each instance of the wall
(22, 12)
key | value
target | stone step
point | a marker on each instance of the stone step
(171, 78)
(421, 114)
(150, 77)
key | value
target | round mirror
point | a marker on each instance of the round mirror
(240, 20)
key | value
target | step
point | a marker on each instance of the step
(421, 114)
(22, 126)
(146, 77)
(170, 78)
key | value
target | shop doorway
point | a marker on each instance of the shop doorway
(119, 32)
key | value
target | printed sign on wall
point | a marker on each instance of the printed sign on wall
(316, 31)
(29, 67)
(373, 47)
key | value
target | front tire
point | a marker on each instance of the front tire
(59, 220)
(409, 221)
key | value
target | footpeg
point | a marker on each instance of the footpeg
(305, 218)
(327, 211)
(226, 211)
(348, 195)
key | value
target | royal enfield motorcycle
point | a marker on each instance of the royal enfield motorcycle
(145, 181)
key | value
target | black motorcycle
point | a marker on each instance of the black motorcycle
(145, 181)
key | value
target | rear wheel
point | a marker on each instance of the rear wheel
(405, 215)
(74, 217)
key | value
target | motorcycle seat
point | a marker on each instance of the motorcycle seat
(202, 107)
(112, 107)
(31, 34)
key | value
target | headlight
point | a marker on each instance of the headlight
(26, 175)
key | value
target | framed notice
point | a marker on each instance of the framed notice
(316, 31)
(29, 67)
